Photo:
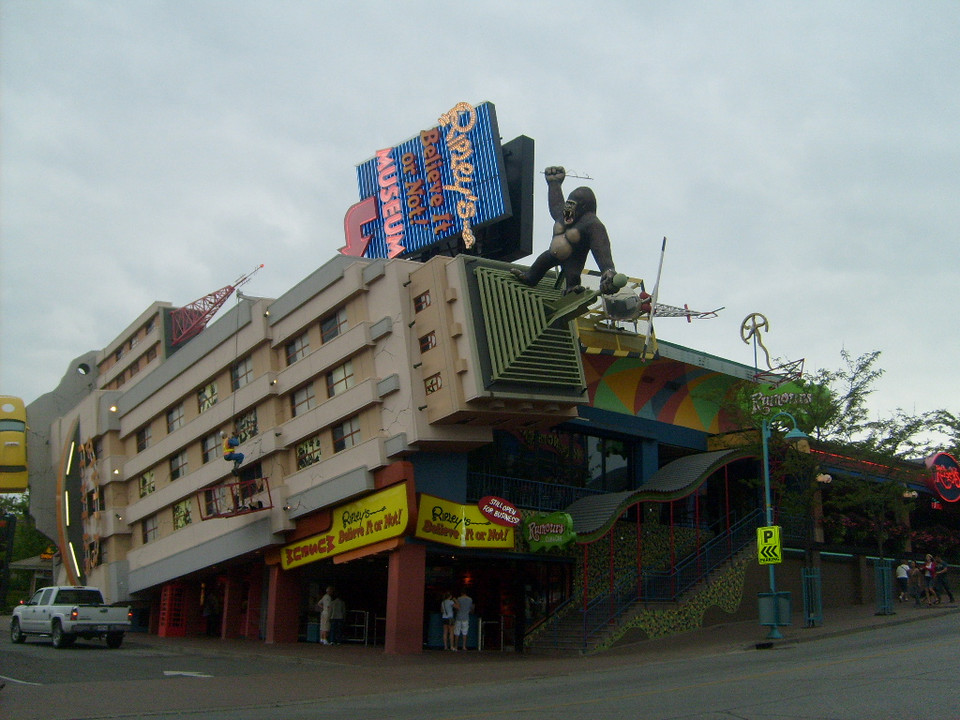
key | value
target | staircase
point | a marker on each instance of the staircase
(571, 629)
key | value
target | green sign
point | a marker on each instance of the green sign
(546, 532)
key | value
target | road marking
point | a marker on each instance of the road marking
(185, 673)
(19, 682)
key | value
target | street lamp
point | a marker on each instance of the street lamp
(793, 435)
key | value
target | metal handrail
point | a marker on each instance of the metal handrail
(529, 494)
(668, 586)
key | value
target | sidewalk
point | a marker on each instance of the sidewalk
(728, 637)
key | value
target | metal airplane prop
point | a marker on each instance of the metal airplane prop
(632, 304)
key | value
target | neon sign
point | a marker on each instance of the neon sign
(944, 476)
(432, 188)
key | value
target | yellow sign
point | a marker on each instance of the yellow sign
(381, 516)
(465, 526)
(768, 545)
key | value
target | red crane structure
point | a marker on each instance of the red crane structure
(190, 320)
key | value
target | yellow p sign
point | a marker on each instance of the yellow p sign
(768, 545)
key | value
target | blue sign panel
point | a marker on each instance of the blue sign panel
(438, 185)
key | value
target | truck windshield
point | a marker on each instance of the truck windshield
(79, 597)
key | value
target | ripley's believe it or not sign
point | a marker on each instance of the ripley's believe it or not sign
(465, 526)
(437, 185)
(381, 516)
(945, 476)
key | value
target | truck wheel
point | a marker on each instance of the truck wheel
(114, 639)
(60, 638)
(15, 635)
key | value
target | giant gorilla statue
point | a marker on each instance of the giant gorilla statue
(576, 231)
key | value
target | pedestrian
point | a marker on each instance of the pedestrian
(448, 610)
(338, 614)
(462, 625)
(929, 577)
(940, 582)
(323, 607)
(915, 582)
(903, 577)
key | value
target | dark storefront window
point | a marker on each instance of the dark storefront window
(559, 457)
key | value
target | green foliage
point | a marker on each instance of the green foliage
(28, 541)
(835, 413)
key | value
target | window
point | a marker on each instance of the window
(340, 379)
(151, 354)
(297, 349)
(150, 326)
(308, 452)
(247, 426)
(241, 373)
(118, 355)
(146, 482)
(211, 447)
(422, 302)
(181, 514)
(346, 434)
(433, 383)
(143, 438)
(333, 325)
(134, 367)
(428, 341)
(133, 341)
(207, 396)
(149, 529)
(302, 400)
(178, 465)
(175, 418)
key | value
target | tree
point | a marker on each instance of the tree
(832, 407)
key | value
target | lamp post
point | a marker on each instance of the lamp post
(793, 435)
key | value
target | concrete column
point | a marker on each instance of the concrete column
(406, 576)
(283, 604)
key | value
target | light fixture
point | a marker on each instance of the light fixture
(116, 471)
(113, 408)
(824, 479)
(266, 313)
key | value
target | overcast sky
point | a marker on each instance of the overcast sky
(802, 158)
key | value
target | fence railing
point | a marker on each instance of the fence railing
(668, 585)
(531, 494)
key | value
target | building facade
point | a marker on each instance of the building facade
(377, 403)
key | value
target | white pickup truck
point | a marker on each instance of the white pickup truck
(68, 612)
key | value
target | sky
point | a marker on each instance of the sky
(803, 158)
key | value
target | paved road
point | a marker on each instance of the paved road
(891, 671)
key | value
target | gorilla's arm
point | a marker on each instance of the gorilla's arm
(600, 246)
(555, 176)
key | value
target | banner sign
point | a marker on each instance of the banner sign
(464, 526)
(374, 518)
(944, 476)
(435, 186)
(546, 532)
(499, 511)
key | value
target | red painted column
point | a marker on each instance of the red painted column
(283, 606)
(251, 618)
(232, 600)
(406, 577)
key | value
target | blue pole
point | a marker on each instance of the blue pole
(775, 633)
